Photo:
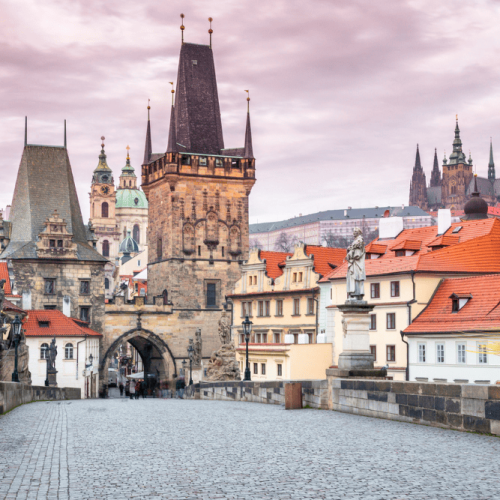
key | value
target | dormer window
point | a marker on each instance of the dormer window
(186, 160)
(400, 253)
(203, 161)
(44, 324)
(218, 162)
(458, 301)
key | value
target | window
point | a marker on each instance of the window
(136, 233)
(400, 253)
(373, 321)
(461, 356)
(105, 248)
(277, 338)
(296, 307)
(52, 243)
(68, 351)
(279, 308)
(310, 337)
(106, 283)
(85, 314)
(186, 160)
(50, 287)
(249, 281)
(84, 287)
(263, 368)
(483, 356)
(373, 351)
(421, 353)
(59, 243)
(164, 295)
(218, 162)
(44, 324)
(257, 338)
(310, 306)
(50, 307)
(222, 248)
(279, 368)
(391, 321)
(159, 249)
(256, 368)
(260, 310)
(199, 251)
(211, 295)
(295, 338)
(267, 308)
(440, 353)
(255, 280)
(454, 305)
(294, 278)
(246, 309)
(203, 161)
(105, 210)
(300, 276)
(391, 353)
(242, 338)
(375, 290)
(394, 288)
(264, 338)
(43, 351)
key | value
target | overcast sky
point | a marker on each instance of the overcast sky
(342, 91)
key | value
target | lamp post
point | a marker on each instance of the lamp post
(190, 354)
(247, 330)
(184, 363)
(16, 330)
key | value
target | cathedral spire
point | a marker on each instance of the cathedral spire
(436, 174)
(248, 132)
(457, 156)
(418, 165)
(148, 148)
(491, 164)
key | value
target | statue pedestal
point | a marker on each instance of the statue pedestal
(356, 353)
(51, 375)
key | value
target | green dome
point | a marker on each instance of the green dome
(131, 198)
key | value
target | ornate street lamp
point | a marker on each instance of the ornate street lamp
(91, 360)
(190, 354)
(184, 363)
(247, 330)
(16, 330)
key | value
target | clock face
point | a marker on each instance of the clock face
(105, 190)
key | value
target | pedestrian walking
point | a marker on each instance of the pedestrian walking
(121, 389)
(137, 390)
(132, 389)
(144, 388)
(179, 387)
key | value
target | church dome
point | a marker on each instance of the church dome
(131, 198)
(476, 208)
(129, 245)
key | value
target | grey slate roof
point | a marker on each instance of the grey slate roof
(434, 195)
(45, 183)
(198, 125)
(484, 185)
(353, 213)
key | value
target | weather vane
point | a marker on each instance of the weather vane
(102, 139)
(128, 149)
(172, 91)
(210, 31)
(182, 27)
(248, 100)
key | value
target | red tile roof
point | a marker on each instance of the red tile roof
(4, 275)
(59, 325)
(9, 306)
(480, 313)
(324, 256)
(475, 252)
(407, 245)
(273, 260)
(445, 241)
(376, 249)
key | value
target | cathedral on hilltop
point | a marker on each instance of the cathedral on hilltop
(454, 187)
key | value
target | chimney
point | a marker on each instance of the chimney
(403, 206)
(345, 213)
(390, 227)
(444, 220)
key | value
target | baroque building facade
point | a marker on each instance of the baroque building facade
(454, 186)
(197, 234)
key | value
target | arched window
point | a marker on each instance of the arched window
(165, 297)
(105, 210)
(106, 283)
(68, 351)
(136, 234)
(159, 249)
(43, 351)
(105, 248)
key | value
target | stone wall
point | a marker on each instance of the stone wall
(13, 394)
(314, 392)
(467, 407)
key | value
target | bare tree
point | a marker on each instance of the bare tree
(285, 243)
(333, 240)
(255, 243)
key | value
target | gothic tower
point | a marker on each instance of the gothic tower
(418, 185)
(436, 174)
(457, 175)
(102, 207)
(198, 200)
(491, 165)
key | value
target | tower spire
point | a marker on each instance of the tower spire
(182, 27)
(210, 31)
(418, 165)
(248, 131)
(65, 143)
(491, 164)
(436, 174)
(25, 131)
(148, 147)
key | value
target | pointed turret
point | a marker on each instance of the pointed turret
(248, 133)
(418, 165)
(491, 164)
(172, 146)
(102, 173)
(436, 174)
(457, 156)
(418, 186)
(148, 149)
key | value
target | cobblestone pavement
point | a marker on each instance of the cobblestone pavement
(178, 449)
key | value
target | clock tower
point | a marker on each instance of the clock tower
(102, 208)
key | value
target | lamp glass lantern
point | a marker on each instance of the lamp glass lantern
(247, 328)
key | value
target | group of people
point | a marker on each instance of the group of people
(138, 388)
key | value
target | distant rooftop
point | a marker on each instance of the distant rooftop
(343, 214)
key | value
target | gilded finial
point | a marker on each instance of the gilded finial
(248, 100)
(210, 31)
(182, 27)
(149, 107)
(128, 149)
(102, 144)
(172, 91)
(456, 117)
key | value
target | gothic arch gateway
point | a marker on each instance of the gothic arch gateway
(156, 355)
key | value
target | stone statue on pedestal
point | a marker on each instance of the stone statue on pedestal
(356, 271)
(197, 349)
(51, 364)
(225, 328)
